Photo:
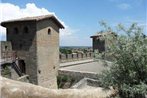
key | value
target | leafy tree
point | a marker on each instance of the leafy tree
(65, 51)
(128, 74)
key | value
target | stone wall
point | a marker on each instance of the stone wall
(6, 54)
(47, 53)
(15, 89)
(37, 44)
(78, 75)
(75, 57)
(82, 84)
(6, 49)
(24, 45)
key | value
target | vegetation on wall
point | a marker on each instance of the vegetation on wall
(65, 81)
(5, 72)
(65, 51)
(128, 74)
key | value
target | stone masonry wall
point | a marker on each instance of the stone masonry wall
(6, 49)
(75, 57)
(24, 45)
(78, 75)
(47, 53)
(15, 89)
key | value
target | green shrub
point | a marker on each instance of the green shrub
(65, 51)
(5, 72)
(128, 74)
(62, 80)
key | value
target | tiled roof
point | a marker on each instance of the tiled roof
(35, 18)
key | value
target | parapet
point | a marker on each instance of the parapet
(15, 89)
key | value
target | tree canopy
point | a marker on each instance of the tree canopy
(128, 74)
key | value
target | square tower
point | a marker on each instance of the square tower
(36, 41)
(101, 40)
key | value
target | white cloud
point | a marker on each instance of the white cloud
(124, 6)
(68, 36)
(10, 11)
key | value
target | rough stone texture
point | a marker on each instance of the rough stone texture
(102, 45)
(98, 45)
(14, 75)
(87, 82)
(75, 57)
(47, 53)
(36, 42)
(78, 75)
(24, 46)
(6, 49)
(15, 89)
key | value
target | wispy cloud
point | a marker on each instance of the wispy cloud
(124, 6)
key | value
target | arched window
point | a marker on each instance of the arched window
(26, 30)
(49, 31)
(15, 30)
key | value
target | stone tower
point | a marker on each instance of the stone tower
(35, 40)
(101, 45)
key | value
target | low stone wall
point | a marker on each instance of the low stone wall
(15, 89)
(75, 57)
(78, 75)
(63, 57)
(87, 82)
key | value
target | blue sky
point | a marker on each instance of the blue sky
(82, 16)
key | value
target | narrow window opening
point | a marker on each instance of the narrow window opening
(26, 30)
(49, 31)
(16, 30)
(6, 47)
